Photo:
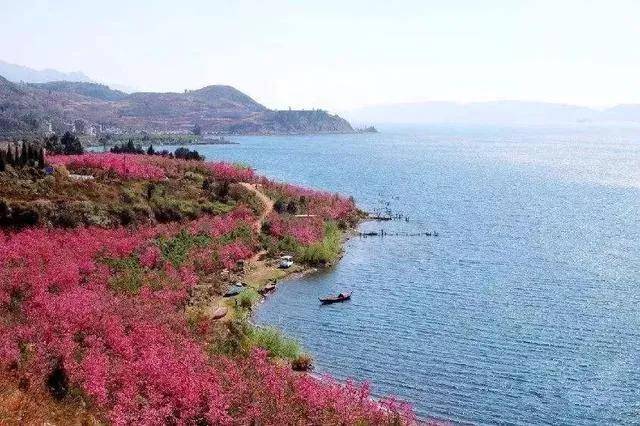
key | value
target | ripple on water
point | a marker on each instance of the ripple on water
(522, 311)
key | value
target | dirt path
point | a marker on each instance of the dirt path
(258, 271)
(268, 208)
(266, 201)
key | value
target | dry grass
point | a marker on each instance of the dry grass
(18, 407)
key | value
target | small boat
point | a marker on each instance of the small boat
(286, 262)
(234, 291)
(335, 299)
(219, 312)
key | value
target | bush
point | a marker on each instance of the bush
(274, 342)
(243, 233)
(303, 362)
(127, 275)
(241, 195)
(24, 215)
(186, 154)
(169, 209)
(128, 148)
(279, 206)
(288, 245)
(324, 251)
(176, 249)
(247, 298)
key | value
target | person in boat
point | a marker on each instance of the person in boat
(340, 295)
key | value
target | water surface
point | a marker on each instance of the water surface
(523, 310)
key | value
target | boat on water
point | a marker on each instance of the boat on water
(335, 299)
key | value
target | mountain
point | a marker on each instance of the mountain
(94, 108)
(19, 73)
(498, 112)
(91, 90)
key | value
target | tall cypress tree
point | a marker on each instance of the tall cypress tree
(30, 158)
(9, 155)
(41, 157)
(24, 155)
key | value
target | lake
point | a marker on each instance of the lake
(524, 308)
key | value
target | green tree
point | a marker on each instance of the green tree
(24, 155)
(9, 157)
(41, 157)
(71, 144)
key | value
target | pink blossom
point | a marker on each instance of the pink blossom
(123, 165)
(232, 253)
(231, 173)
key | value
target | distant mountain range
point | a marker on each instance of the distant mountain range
(95, 109)
(498, 112)
(22, 74)
(19, 73)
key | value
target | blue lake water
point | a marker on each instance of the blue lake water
(525, 308)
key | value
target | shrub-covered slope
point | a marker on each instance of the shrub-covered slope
(94, 313)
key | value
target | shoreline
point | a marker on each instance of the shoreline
(304, 271)
(263, 274)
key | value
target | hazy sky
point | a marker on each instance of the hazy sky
(341, 54)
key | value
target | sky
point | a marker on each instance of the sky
(340, 55)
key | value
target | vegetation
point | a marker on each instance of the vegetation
(131, 148)
(99, 314)
(144, 138)
(31, 110)
(128, 148)
(302, 362)
(21, 155)
(326, 250)
(274, 342)
(247, 298)
(69, 144)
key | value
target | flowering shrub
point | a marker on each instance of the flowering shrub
(124, 165)
(232, 253)
(216, 226)
(133, 355)
(305, 230)
(231, 173)
(59, 307)
(313, 202)
(174, 167)
(101, 312)
(263, 393)
(56, 289)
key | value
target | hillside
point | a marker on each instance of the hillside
(92, 90)
(115, 272)
(93, 109)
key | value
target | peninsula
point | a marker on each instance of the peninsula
(93, 111)
(113, 272)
